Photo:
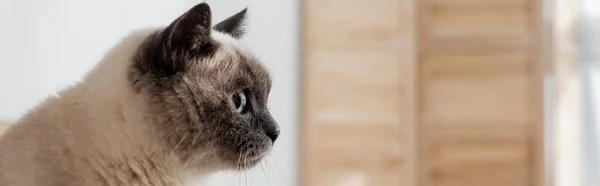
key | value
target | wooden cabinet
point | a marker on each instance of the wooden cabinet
(422, 93)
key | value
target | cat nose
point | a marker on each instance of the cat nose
(273, 134)
(270, 126)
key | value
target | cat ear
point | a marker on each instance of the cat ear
(190, 30)
(233, 25)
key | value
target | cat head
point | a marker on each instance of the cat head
(207, 93)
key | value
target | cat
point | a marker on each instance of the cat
(163, 107)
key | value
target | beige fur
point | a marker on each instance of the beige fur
(81, 113)
(3, 126)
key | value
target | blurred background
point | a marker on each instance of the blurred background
(369, 93)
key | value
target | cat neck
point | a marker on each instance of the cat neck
(108, 94)
(116, 119)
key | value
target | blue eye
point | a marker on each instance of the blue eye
(239, 101)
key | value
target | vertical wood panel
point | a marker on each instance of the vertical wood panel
(480, 107)
(358, 70)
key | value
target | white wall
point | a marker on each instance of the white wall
(589, 37)
(48, 44)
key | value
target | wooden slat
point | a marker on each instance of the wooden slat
(356, 84)
(469, 2)
(376, 21)
(456, 101)
(481, 161)
(480, 89)
(476, 131)
(358, 78)
(362, 149)
(476, 23)
(475, 65)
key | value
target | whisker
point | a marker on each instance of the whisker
(264, 172)
(245, 172)
(237, 166)
(270, 165)
(274, 160)
(174, 149)
(240, 166)
(239, 176)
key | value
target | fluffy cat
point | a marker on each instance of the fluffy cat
(162, 107)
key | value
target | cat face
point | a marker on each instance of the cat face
(206, 93)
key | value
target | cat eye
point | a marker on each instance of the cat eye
(239, 101)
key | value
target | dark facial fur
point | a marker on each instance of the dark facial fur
(188, 78)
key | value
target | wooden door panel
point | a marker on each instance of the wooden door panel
(358, 65)
(479, 91)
